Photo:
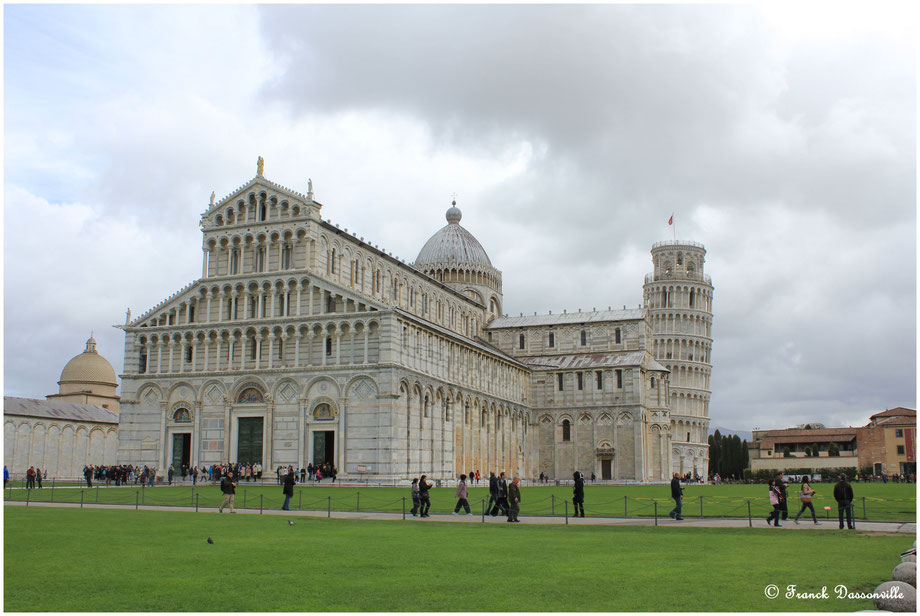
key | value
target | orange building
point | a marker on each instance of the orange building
(888, 443)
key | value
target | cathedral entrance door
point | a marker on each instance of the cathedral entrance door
(181, 450)
(324, 447)
(606, 473)
(249, 440)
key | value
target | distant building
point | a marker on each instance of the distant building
(886, 445)
(72, 428)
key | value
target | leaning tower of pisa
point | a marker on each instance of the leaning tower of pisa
(678, 297)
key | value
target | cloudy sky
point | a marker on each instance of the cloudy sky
(782, 137)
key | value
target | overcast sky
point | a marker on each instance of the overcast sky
(782, 138)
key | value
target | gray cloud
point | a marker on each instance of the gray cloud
(571, 133)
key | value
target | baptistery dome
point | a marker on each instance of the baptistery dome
(456, 258)
(89, 367)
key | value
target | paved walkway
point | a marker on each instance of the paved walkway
(881, 527)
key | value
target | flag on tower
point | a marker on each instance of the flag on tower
(671, 220)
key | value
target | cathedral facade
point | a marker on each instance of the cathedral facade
(302, 342)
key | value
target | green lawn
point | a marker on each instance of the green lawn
(882, 501)
(123, 560)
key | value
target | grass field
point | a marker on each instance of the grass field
(882, 501)
(123, 560)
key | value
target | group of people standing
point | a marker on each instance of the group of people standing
(843, 494)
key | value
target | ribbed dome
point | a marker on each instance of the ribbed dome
(452, 245)
(89, 367)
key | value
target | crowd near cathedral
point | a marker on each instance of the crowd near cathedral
(303, 343)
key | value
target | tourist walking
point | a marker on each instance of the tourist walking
(805, 495)
(6, 475)
(423, 499)
(38, 476)
(415, 500)
(288, 489)
(462, 497)
(30, 478)
(578, 494)
(843, 494)
(493, 495)
(229, 489)
(776, 499)
(677, 493)
(784, 505)
(514, 498)
(169, 474)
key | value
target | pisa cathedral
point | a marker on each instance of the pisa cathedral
(302, 342)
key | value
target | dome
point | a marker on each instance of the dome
(89, 367)
(453, 245)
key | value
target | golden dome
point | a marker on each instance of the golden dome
(89, 367)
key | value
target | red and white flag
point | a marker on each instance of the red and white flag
(671, 220)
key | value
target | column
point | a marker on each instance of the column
(271, 351)
(322, 351)
(207, 315)
(220, 307)
(247, 297)
(207, 349)
(351, 351)
(340, 441)
(310, 307)
(272, 313)
(163, 445)
(338, 348)
(299, 290)
(366, 336)
(149, 347)
(196, 435)
(172, 345)
(309, 347)
(226, 452)
(217, 355)
(269, 439)
(297, 353)
(230, 345)
(182, 356)
(257, 340)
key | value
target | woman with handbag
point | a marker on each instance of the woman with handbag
(805, 496)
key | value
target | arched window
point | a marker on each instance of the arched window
(263, 209)
(566, 430)
(182, 416)
(234, 261)
(260, 259)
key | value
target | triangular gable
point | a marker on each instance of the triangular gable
(260, 184)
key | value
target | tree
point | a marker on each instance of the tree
(833, 450)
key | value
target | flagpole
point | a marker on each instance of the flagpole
(674, 228)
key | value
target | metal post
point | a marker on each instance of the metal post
(701, 505)
(656, 513)
(566, 512)
(81, 499)
(328, 506)
(137, 498)
(553, 499)
(750, 523)
(196, 503)
(863, 498)
(260, 504)
(404, 507)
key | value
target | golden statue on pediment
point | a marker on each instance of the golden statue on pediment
(260, 166)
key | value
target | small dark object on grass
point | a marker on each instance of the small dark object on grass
(210, 540)
(291, 522)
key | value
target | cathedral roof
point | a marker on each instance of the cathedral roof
(89, 367)
(51, 409)
(587, 361)
(453, 245)
(569, 318)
